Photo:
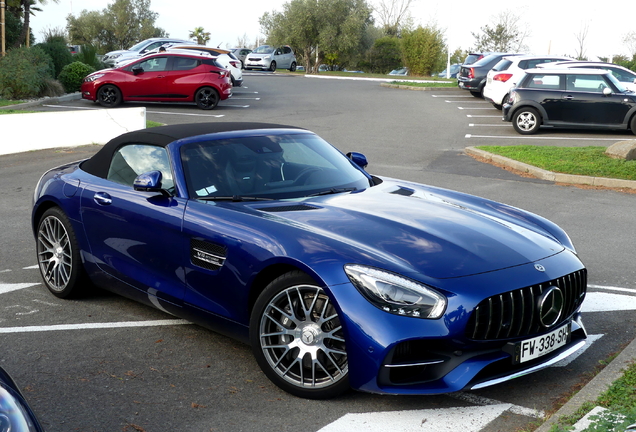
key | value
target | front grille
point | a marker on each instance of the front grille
(515, 313)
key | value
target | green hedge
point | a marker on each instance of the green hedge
(23, 73)
(73, 74)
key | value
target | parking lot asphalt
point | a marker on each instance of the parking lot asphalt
(590, 390)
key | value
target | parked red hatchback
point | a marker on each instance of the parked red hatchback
(162, 77)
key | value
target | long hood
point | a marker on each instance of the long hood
(434, 232)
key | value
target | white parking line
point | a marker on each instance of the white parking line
(489, 125)
(630, 290)
(187, 114)
(484, 401)
(245, 98)
(451, 96)
(484, 116)
(473, 108)
(467, 101)
(86, 326)
(541, 137)
(5, 288)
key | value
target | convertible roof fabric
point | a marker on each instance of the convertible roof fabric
(162, 136)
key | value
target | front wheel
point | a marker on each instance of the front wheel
(632, 125)
(109, 96)
(292, 68)
(272, 66)
(206, 98)
(526, 121)
(297, 338)
(59, 258)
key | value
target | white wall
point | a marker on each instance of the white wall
(37, 131)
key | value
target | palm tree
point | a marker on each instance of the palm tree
(202, 37)
(27, 7)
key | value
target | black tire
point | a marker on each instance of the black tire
(526, 121)
(477, 94)
(233, 81)
(292, 68)
(297, 338)
(497, 106)
(206, 98)
(272, 66)
(109, 96)
(58, 255)
(632, 124)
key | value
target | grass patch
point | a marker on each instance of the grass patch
(12, 111)
(587, 161)
(5, 102)
(150, 123)
(619, 399)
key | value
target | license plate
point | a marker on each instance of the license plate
(531, 349)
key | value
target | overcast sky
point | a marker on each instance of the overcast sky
(553, 24)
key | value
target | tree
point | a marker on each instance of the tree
(423, 50)
(119, 26)
(506, 35)
(630, 41)
(319, 28)
(385, 55)
(27, 7)
(580, 38)
(392, 14)
(200, 36)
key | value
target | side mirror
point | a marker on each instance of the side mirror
(607, 91)
(137, 70)
(358, 159)
(149, 182)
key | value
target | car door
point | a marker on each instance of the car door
(148, 81)
(136, 236)
(586, 103)
(184, 78)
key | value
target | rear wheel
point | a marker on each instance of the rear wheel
(109, 96)
(297, 338)
(632, 124)
(58, 255)
(526, 121)
(478, 94)
(292, 68)
(206, 98)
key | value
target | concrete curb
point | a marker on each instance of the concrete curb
(57, 99)
(549, 175)
(595, 387)
(408, 87)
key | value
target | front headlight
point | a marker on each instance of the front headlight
(396, 294)
(13, 416)
(267, 57)
(92, 78)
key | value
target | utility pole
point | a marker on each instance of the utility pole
(2, 32)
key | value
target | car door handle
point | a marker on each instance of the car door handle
(102, 198)
(568, 97)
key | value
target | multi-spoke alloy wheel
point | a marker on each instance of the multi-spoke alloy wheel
(58, 257)
(298, 338)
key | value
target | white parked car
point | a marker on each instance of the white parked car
(267, 57)
(224, 57)
(507, 73)
(138, 50)
(624, 75)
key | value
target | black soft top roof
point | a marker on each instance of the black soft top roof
(162, 136)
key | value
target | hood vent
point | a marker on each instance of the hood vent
(403, 191)
(288, 208)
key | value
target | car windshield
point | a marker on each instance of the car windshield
(619, 85)
(138, 46)
(264, 49)
(270, 166)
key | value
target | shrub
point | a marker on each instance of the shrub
(88, 55)
(59, 53)
(23, 72)
(73, 74)
(52, 88)
(385, 55)
(423, 50)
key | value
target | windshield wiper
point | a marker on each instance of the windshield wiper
(333, 191)
(233, 198)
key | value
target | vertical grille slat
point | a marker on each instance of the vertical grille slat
(514, 313)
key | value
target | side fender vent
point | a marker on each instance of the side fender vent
(403, 191)
(207, 255)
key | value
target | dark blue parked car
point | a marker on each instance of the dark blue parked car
(337, 278)
(15, 413)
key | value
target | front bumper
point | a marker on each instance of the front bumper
(395, 354)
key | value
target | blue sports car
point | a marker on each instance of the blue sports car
(336, 277)
(15, 413)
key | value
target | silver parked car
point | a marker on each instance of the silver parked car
(138, 50)
(241, 54)
(267, 57)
